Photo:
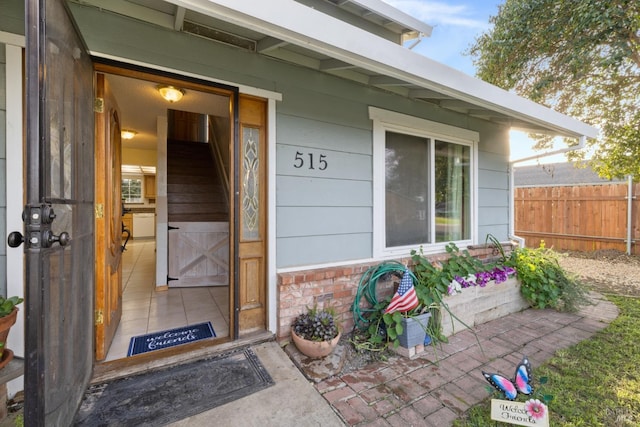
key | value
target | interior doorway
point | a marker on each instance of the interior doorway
(148, 298)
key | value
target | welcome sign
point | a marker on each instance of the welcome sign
(165, 339)
(515, 413)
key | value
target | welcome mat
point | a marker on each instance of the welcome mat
(174, 393)
(170, 338)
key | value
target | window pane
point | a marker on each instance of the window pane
(453, 191)
(132, 190)
(250, 183)
(406, 189)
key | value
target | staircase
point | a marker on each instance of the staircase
(195, 192)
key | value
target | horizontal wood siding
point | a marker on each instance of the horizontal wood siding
(579, 218)
(493, 185)
(319, 115)
(12, 17)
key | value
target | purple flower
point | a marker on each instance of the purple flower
(482, 278)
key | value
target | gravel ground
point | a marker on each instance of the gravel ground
(605, 271)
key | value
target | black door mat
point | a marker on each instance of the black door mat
(171, 394)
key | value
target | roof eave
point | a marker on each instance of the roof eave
(387, 11)
(306, 27)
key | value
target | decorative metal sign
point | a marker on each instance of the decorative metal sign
(530, 413)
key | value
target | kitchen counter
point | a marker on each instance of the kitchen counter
(140, 210)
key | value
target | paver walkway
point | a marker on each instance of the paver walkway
(421, 392)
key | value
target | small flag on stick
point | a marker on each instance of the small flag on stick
(405, 298)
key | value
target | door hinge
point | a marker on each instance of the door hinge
(98, 105)
(99, 211)
(99, 317)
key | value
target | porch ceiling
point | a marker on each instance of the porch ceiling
(411, 75)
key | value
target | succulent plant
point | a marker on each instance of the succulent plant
(316, 325)
(7, 305)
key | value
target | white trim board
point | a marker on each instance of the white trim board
(12, 39)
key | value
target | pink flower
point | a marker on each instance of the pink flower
(535, 409)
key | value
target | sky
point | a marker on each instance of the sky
(456, 25)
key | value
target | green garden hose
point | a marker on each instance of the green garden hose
(367, 289)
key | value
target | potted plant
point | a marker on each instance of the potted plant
(316, 333)
(414, 329)
(8, 315)
(402, 321)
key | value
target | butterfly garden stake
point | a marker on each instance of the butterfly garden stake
(521, 382)
(533, 412)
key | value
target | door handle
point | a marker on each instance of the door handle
(48, 238)
(15, 239)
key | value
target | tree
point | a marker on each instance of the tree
(581, 58)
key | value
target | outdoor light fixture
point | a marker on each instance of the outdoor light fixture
(128, 134)
(171, 93)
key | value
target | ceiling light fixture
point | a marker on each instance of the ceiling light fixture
(128, 133)
(171, 93)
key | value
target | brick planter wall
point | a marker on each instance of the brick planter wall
(335, 287)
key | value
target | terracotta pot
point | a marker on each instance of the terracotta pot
(6, 323)
(315, 349)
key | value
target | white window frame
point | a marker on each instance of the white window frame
(383, 121)
(141, 179)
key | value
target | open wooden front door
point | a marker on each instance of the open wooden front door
(59, 216)
(252, 238)
(108, 238)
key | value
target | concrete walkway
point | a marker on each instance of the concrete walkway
(434, 389)
(292, 401)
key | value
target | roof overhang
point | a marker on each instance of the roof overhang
(385, 11)
(313, 39)
(392, 65)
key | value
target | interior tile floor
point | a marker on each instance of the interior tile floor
(146, 310)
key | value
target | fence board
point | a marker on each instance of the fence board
(579, 218)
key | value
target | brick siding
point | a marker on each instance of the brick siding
(336, 287)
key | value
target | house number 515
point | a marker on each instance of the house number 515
(310, 161)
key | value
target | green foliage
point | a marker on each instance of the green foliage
(433, 279)
(8, 304)
(581, 58)
(431, 282)
(544, 283)
(386, 328)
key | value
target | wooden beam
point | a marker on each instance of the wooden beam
(270, 43)
(335, 64)
(179, 18)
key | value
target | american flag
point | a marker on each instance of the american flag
(405, 298)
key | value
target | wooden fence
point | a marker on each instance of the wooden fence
(580, 218)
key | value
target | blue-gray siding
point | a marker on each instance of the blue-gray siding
(322, 215)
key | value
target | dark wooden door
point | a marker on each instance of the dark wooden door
(59, 216)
